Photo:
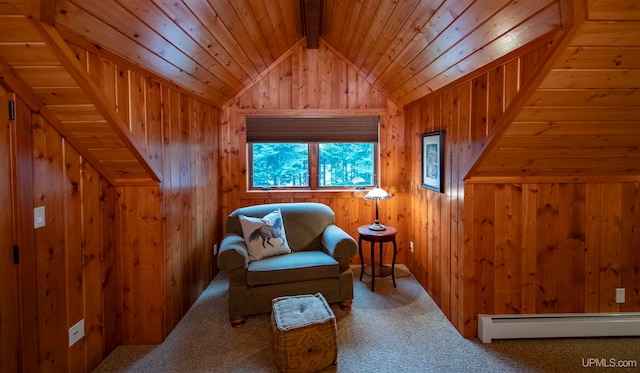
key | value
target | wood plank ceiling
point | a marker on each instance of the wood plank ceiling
(36, 63)
(582, 122)
(219, 48)
(216, 50)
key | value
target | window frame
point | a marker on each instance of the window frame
(313, 168)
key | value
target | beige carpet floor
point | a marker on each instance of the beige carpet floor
(392, 330)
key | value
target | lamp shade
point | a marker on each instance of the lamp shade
(377, 193)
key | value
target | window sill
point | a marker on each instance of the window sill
(307, 193)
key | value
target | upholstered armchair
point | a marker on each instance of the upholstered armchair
(317, 259)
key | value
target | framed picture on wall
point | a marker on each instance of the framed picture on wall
(433, 160)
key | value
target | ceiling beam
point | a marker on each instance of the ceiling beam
(312, 22)
(42, 10)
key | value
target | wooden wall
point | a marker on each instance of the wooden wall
(546, 248)
(67, 269)
(129, 260)
(514, 246)
(72, 254)
(165, 232)
(190, 201)
(466, 112)
(316, 82)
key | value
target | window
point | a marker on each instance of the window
(346, 164)
(279, 165)
(336, 152)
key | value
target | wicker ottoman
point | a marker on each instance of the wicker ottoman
(304, 333)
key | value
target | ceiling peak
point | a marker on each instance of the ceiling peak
(312, 22)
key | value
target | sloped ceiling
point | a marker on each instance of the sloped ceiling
(37, 64)
(217, 49)
(582, 120)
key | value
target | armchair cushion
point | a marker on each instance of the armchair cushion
(265, 236)
(301, 266)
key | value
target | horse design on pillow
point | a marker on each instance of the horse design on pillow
(266, 232)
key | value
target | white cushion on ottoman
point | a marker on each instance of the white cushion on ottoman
(304, 333)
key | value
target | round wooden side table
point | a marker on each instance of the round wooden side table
(377, 270)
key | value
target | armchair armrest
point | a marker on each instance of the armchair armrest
(233, 253)
(338, 243)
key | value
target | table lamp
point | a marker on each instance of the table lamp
(377, 194)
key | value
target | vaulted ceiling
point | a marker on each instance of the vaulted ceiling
(218, 48)
(580, 121)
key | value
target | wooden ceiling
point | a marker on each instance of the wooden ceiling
(218, 49)
(37, 64)
(582, 119)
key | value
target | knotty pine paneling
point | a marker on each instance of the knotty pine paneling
(74, 247)
(10, 326)
(171, 249)
(22, 149)
(169, 257)
(567, 248)
(587, 99)
(190, 200)
(512, 248)
(438, 222)
(128, 260)
(110, 274)
(69, 254)
(50, 247)
(93, 260)
(141, 242)
(317, 82)
(220, 49)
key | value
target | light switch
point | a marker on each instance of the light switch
(39, 220)
(620, 295)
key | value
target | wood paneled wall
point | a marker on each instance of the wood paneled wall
(190, 193)
(547, 248)
(166, 232)
(74, 256)
(9, 307)
(466, 112)
(492, 247)
(316, 82)
(128, 260)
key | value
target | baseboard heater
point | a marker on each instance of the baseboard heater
(558, 325)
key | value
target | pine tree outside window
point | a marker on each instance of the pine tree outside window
(337, 152)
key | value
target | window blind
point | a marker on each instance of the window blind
(269, 129)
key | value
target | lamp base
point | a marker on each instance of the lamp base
(377, 227)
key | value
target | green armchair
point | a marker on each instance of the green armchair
(318, 262)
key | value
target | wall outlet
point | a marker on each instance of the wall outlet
(215, 249)
(411, 246)
(39, 220)
(76, 332)
(620, 295)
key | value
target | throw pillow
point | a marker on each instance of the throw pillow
(264, 236)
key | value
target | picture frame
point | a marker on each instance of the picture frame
(433, 160)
